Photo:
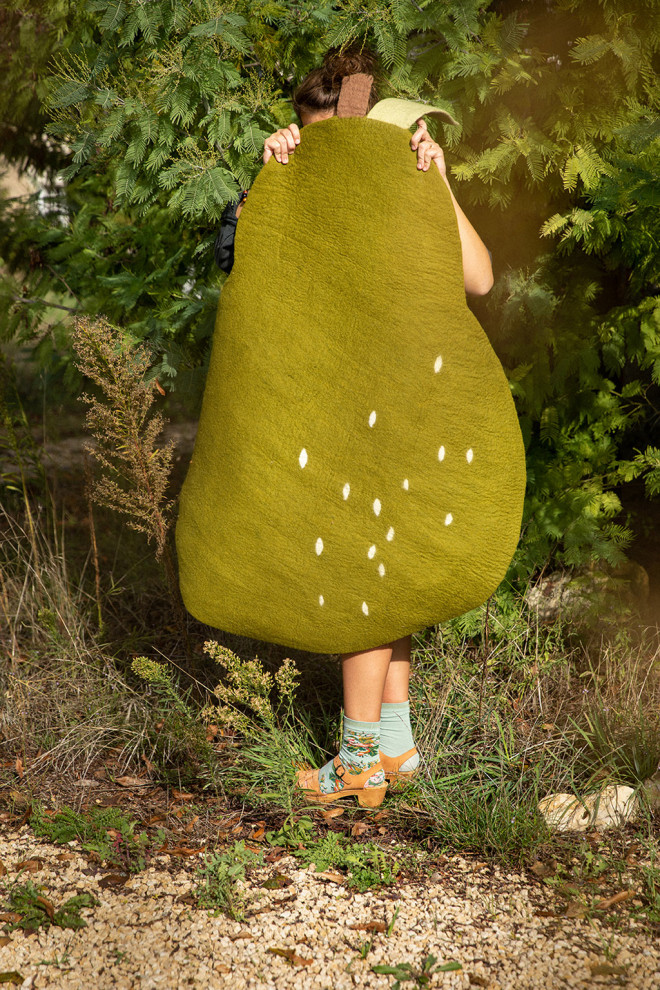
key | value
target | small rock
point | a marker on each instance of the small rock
(565, 812)
(614, 805)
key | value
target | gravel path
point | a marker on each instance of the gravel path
(145, 934)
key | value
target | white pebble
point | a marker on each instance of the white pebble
(469, 455)
(365, 608)
(381, 570)
(438, 364)
(347, 491)
(371, 552)
(319, 546)
(441, 454)
(390, 533)
(372, 418)
(321, 599)
(406, 484)
(449, 519)
(377, 506)
(302, 459)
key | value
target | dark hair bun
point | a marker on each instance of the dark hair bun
(337, 64)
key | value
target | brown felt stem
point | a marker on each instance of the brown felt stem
(354, 95)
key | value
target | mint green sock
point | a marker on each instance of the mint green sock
(360, 746)
(396, 735)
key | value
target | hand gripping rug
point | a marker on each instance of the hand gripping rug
(358, 472)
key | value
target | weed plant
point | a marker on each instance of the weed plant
(36, 911)
(218, 880)
(366, 864)
(106, 832)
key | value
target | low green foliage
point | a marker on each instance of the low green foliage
(108, 832)
(217, 887)
(419, 975)
(367, 865)
(179, 747)
(37, 911)
(277, 736)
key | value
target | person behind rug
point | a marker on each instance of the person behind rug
(377, 740)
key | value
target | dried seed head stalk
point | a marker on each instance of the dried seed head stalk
(135, 470)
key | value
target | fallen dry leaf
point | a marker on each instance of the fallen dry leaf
(258, 834)
(191, 824)
(159, 817)
(277, 852)
(332, 813)
(211, 732)
(575, 910)
(277, 881)
(148, 764)
(329, 875)
(48, 908)
(359, 829)
(542, 870)
(221, 968)
(181, 795)
(608, 902)
(478, 981)
(180, 850)
(3, 869)
(12, 977)
(113, 880)
(370, 926)
(128, 781)
(31, 865)
(4, 940)
(607, 969)
(13, 917)
(19, 767)
(18, 798)
(244, 933)
(291, 955)
(65, 857)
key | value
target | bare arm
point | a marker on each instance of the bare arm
(477, 268)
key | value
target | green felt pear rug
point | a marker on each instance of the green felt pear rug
(359, 471)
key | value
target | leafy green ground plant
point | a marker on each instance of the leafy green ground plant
(108, 832)
(217, 883)
(419, 975)
(35, 911)
(367, 866)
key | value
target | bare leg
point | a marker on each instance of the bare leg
(364, 675)
(398, 674)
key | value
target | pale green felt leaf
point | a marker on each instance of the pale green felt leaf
(404, 113)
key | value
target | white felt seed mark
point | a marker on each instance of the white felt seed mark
(365, 608)
(441, 454)
(371, 552)
(469, 455)
(438, 364)
(390, 533)
(302, 458)
(319, 546)
(406, 484)
(381, 570)
(449, 519)
(321, 599)
(377, 506)
(347, 491)
(372, 418)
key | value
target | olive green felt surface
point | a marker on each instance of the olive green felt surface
(358, 472)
